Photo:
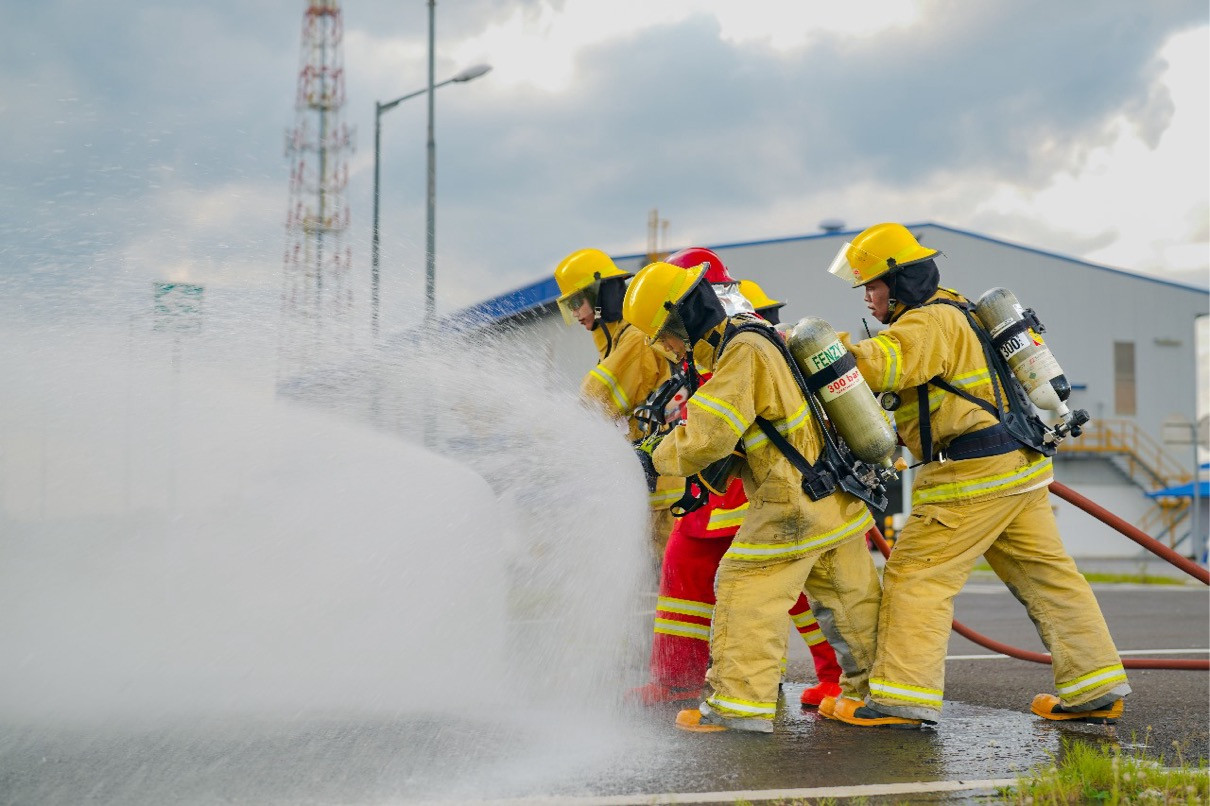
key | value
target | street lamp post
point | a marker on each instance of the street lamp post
(430, 207)
(379, 109)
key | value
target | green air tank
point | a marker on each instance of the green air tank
(845, 395)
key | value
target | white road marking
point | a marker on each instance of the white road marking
(1145, 652)
(750, 795)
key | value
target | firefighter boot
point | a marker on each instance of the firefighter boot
(855, 712)
(1048, 706)
(827, 707)
(657, 693)
(705, 719)
(814, 696)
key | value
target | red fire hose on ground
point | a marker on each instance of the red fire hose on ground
(1137, 535)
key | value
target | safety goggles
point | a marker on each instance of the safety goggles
(569, 305)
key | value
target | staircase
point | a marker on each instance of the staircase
(1133, 451)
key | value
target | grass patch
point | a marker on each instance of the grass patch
(1142, 579)
(1092, 576)
(1087, 773)
(1102, 774)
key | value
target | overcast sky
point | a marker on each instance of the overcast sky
(144, 141)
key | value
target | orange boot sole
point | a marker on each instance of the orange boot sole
(1048, 706)
(846, 710)
(691, 720)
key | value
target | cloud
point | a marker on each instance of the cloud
(158, 147)
(1117, 199)
(733, 141)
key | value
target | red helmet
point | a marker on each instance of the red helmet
(716, 270)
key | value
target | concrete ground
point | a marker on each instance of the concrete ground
(986, 738)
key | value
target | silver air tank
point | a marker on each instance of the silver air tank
(846, 397)
(1014, 331)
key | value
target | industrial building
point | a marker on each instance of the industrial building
(1126, 342)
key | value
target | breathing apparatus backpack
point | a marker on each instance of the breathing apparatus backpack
(837, 467)
(1024, 374)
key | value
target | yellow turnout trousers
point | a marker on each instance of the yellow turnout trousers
(749, 629)
(661, 523)
(930, 563)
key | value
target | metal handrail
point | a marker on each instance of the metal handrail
(1126, 438)
(1163, 517)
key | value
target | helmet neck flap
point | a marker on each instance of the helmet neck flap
(608, 305)
(697, 314)
(914, 284)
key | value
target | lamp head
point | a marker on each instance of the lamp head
(472, 72)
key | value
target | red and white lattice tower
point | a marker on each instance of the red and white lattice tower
(317, 297)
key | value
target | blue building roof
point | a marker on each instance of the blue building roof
(543, 292)
(1183, 491)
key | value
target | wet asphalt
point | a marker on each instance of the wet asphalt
(986, 733)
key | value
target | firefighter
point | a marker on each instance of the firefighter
(680, 644)
(827, 670)
(987, 497)
(786, 542)
(591, 290)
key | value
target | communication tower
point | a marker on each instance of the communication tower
(657, 236)
(317, 298)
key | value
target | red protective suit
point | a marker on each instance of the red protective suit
(680, 649)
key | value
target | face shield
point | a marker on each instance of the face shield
(860, 267)
(843, 267)
(673, 326)
(571, 303)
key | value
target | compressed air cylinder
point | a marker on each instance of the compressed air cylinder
(1014, 335)
(846, 397)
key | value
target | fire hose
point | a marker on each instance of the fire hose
(1108, 518)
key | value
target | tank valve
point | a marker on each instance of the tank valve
(1072, 425)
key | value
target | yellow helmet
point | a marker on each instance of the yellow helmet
(757, 296)
(578, 275)
(878, 251)
(654, 293)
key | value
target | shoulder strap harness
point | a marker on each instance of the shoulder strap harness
(1016, 426)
